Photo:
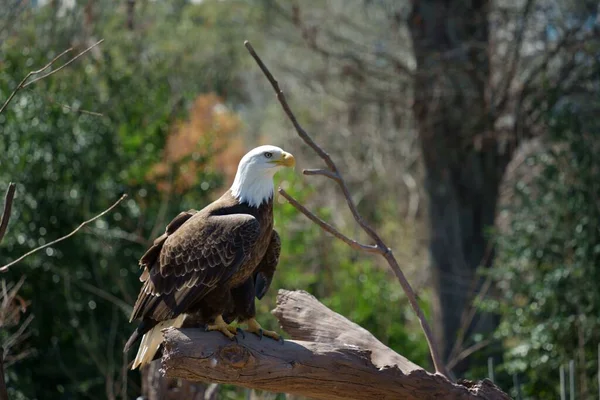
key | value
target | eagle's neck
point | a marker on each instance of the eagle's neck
(252, 187)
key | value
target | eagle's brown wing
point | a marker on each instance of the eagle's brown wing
(150, 257)
(266, 269)
(198, 254)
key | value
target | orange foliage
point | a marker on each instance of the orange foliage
(207, 141)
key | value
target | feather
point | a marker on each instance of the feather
(152, 340)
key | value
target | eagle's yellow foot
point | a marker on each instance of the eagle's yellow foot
(254, 327)
(221, 326)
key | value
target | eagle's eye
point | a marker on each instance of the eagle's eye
(268, 154)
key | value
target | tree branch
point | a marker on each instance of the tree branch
(3, 392)
(380, 247)
(322, 172)
(24, 82)
(4, 268)
(329, 358)
(516, 57)
(8, 200)
(327, 227)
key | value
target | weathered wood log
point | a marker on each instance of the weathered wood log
(335, 359)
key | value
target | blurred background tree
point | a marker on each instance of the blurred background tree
(423, 104)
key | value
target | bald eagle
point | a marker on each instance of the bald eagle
(209, 265)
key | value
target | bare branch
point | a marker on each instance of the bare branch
(123, 306)
(24, 82)
(467, 352)
(3, 392)
(512, 69)
(328, 228)
(323, 172)
(76, 110)
(528, 83)
(8, 200)
(380, 247)
(21, 85)
(287, 109)
(64, 65)
(469, 313)
(4, 268)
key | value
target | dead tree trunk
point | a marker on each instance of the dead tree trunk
(464, 160)
(334, 359)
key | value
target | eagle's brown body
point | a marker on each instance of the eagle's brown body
(208, 263)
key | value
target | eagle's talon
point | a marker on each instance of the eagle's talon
(272, 335)
(254, 327)
(241, 332)
(221, 326)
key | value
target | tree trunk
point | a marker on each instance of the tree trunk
(464, 161)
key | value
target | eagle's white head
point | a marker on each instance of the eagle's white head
(253, 183)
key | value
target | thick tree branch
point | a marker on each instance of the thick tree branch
(333, 359)
(8, 200)
(84, 223)
(334, 174)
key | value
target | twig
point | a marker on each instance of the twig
(326, 227)
(24, 82)
(322, 172)
(3, 392)
(467, 352)
(81, 111)
(64, 65)
(512, 69)
(8, 200)
(4, 268)
(333, 173)
(469, 314)
(21, 85)
(18, 335)
(114, 300)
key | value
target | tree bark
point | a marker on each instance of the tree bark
(337, 360)
(464, 159)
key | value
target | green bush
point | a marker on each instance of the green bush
(547, 270)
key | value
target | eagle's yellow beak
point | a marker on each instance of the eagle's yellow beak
(286, 160)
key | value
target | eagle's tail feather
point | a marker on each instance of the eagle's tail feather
(152, 340)
(142, 328)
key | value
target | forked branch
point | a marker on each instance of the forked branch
(332, 172)
(24, 83)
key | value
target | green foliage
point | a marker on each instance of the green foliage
(548, 264)
(70, 164)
